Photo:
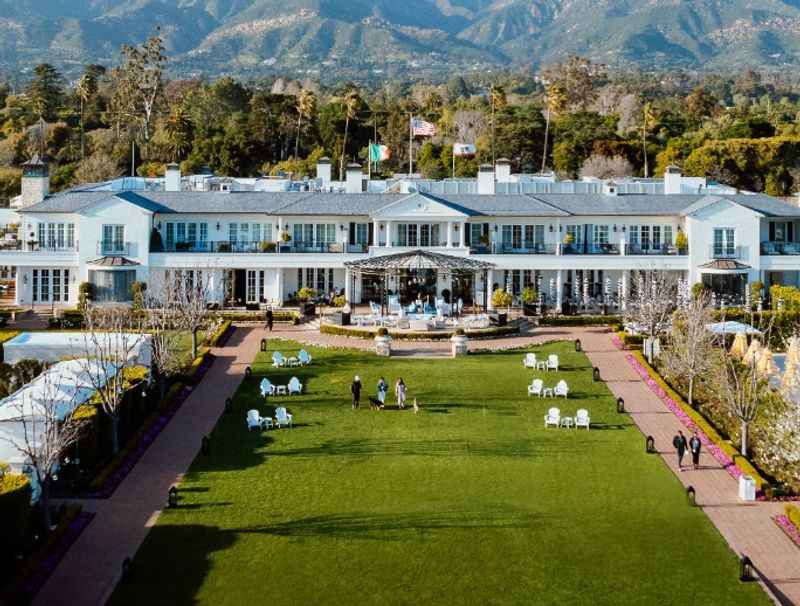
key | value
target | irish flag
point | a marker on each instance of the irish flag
(379, 152)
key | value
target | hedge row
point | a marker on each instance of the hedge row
(216, 337)
(793, 513)
(742, 463)
(630, 341)
(259, 316)
(579, 320)
(15, 512)
(370, 333)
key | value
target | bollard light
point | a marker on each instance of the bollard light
(205, 445)
(263, 345)
(172, 497)
(228, 405)
(620, 405)
(691, 496)
(577, 345)
(650, 445)
(746, 570)
(127, 564)
(248, 372)
(596, 374)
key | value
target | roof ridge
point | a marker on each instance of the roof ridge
(279, 208)
(546, 203)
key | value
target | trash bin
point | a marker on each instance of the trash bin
(747, 488)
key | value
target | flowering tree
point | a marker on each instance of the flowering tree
(191, 295)
(162, 319)
(790, 385)
(651, 301)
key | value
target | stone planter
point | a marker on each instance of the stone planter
(383, 345)
(458, 345)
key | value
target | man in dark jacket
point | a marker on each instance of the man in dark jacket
(270, 319)
(679, 442)
(355, 389)
(694, 448)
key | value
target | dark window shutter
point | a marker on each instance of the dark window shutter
(370, 232)
(790, 231)
(352, 233)
(771, 231)
(467, 234)
(486, 230)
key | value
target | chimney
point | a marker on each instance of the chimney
(485, 179)
(35, 181)
(324, 171)
(503, 170)
(172, 179)
(672, 180)
(353, 180)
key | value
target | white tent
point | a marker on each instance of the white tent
(732, 328)
(55, 346)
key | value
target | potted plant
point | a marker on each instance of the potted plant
(529, 298)
(267, 247)
(569, 240)
(458, 343)
(681, 242)
(285, 238)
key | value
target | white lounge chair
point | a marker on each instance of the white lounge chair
(304, 358)
(267, 388)
(552, 362)
(535, 388)
(561, 389)
(582, 418)
(553, 417)
(278, 360)
(283, 417)
(529, 361)
(254, 419)
(295, 386)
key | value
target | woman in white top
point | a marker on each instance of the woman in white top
(400, 393)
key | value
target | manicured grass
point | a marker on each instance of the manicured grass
(471, 501)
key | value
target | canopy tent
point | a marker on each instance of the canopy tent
(732, 328)
(55, 346)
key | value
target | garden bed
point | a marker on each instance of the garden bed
(787, 526)
(410, 335)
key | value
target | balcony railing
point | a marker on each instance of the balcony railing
(226, 246)
(637, 250)
(510, 249)
(780, 248)
(105, 247)
(589, 249)
(20, 246)
(725, 252)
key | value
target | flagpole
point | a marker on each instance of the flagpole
(410, 144)
(454, 161)
(369, 161)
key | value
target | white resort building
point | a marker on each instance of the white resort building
(258, 241)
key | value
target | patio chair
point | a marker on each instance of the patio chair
(459, 305)
(394, 304)
(561, 389)
(267, 388)
(553, 417)
(582, 418)
(412, 308)
(283, 417)
(552, 362)
(535, 388)
(529, 361)
(304, 358)
(278, 360)
(254, 419)
(295, 386)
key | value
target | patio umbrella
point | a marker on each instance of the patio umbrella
(766, 367)
(739, 347)
(753, 352)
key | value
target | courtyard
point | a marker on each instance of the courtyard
(471, 500)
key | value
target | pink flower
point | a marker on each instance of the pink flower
(789, 528)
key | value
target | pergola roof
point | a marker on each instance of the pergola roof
(418, 259)
(111, 261)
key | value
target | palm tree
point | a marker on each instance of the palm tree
(306, 104)
(648, 119)
(555, 101)
(179, 133)
(350, 103)
(497, 98)
(86, 89)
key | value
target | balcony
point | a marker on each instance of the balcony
(637, 250)
(115, 248)
(780, 248)
(20, 246)
(723, 251)
(228, 247)
(589, 249)
(510, 249)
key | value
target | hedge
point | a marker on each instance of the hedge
(214, 339)
(579, 320)
(742, 463)
(495, 331)
(793, 513)
(259, 316)
(15, 512)
(630, 341)
(6, 335)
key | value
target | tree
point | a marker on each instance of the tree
(96, 168)
(576, 77)
(651, 301)
(692, 347)
(351, 101)
(497, 100)
(45, 90)
(306, 106)
(50, 426)
(648, 119)
(178, 129)
(86, 89)
(111, 340)
(191, 301)
(603, 167)
(555, 102)
(162, 322)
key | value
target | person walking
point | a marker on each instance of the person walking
(270, 319)
(383, 387)
(679, 442)
(400, 393)
(694, 448)
(355, 389)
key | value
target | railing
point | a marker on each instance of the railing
(113, 248)
(528, 249)
(780, 248)
(19, 245)
(669, 249)
(226, 246)
(589, 249)
(442, 244)
(725, 252)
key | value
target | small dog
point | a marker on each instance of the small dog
(375, 404)
(416, 406)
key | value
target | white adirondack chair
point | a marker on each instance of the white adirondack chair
(561, 389)
(267, 388)
(278, 360)
(553, 417)
(254, 419)
(304, 358)
(530, 360)
(295, 386)
(552, 362)
(394, 304)
(582, 418)
(283, 417)
(535, 388)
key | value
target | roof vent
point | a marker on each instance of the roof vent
(610, 189)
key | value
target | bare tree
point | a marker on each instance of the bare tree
(692, 347)
(46, 424)
(651, 301)
(604, 167)
(191, 295)
(113, 338)
(163, 319)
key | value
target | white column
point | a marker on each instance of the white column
(624, 294)
(559, 289)
(489, 290)
(449, 234)
(279, 289)
(348, 285)
(462, 236)
(388, 233)
(375, 233)
(622, 244)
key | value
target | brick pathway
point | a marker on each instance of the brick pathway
(90, 569)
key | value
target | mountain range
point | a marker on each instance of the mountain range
(330, 39)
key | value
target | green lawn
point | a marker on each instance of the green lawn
(471, 501)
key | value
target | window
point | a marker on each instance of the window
(601, 234)
(203, 233)
(507, 236)
(56, 285)
(251, 286)
(170, 234)
(780, 231)
(645, 229)
(60, 241)
(298, 233)
(724, 242)
(320, 281)
(538, 235)
(412, 235)
(51, 235)
(309, 277)
(191, 232)
(66, 285)
(256, 232)
(576, 232)
(71, 235)
(113, 238)
(633, 235)
(435, 239)
(35, 285)
(180, 229)
(113, 285)
(516, 237)
(424, 235)
(476, 233)
(667, 235)
(233, 232)
(244, 232)
(656, 237)
(45, 285)
(41, 239)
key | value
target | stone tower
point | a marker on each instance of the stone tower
(35, 181)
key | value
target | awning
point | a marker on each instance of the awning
(725, 265)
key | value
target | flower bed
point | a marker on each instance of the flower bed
(579, 320)
(617, 341)
(786, 525)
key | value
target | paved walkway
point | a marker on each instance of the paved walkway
(90, 569)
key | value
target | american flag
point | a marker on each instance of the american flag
(420, 128)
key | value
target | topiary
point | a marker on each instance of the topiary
(383, 331)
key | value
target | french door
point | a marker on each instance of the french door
(50, 285)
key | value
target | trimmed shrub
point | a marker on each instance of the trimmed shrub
(383, 331)
(501, 298)
(339, 301)
(306, 293)
(15, 511)
(486, 333)
(85, 293)
(579, 320)
(630, 341)
(793, 513)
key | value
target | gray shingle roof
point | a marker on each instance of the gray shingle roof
(624, 204)
(505, 204)
(767, 205)
(338, 204)
(68, 202)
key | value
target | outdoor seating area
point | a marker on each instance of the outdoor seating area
(301, 359)
(282, 418)
(554, 418)
(293, 387)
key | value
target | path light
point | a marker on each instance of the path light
(248, 372)
(746, 570)
(127, 564)
(263, 345)
(577, 345)
(172, 497)
(205, 445)
(691, 496)
(228, 405)
(620, 405)
(650, 445)
(596, 374)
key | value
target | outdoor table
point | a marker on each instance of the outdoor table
(293, 362)
(547, 392)
(281, 390)
(541, 365)
(567, 422)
